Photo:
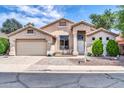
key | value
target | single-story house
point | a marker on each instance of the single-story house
(62, 36)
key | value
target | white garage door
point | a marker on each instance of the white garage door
(31, 47)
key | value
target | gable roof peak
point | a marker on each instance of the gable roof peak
(101, 28)
(29, 24)
(83, 22)
(90, 24)
(56, 22)
(65, 19)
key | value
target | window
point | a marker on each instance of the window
(93, 38)
(64, 42)
(107, 38)
(80, 37)
(29, 31)
(100, 38)
(62, 23)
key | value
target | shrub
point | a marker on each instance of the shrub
(112, 48)
(89, 54)
(97, 48)
(4, 45)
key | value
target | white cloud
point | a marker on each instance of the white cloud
(25, 14)
(28, 9)
(51, 12)
(46, 10)
(24, 19)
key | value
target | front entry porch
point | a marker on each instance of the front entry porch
(79, 42)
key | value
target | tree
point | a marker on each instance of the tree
(112, 48)
(29, 24)
(120, 20)
(4, 45)
(10, 25)
(105, 20)
(97, 48)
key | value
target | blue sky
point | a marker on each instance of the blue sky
(43, 14)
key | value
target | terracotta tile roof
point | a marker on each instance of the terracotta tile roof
(29, 26)
(101, 29)
(56, 22)
(83, 22)
(121, 43)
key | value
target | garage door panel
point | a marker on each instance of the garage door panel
(31, 47)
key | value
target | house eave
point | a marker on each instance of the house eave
(21, 29)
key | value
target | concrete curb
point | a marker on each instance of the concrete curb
(66, 69)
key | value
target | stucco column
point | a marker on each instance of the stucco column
(104, 49)
(51, 50)
(57, 44)
(75, 51)
(12, 48)
(85, 48)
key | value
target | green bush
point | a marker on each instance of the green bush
(112, 48)
(4, 45)
(97, 48)
(89, 54)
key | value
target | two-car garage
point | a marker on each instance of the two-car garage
(31, 47)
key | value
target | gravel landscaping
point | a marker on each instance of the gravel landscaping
(97, 61)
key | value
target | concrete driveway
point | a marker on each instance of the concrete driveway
(18, 80)
(17, 63)
(43, 64)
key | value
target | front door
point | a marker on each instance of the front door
(80, 43)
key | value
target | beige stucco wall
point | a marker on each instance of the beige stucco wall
(57, 30)
(100, 34)
(55, 27)
(121, 49)
(83, 27)
(97, 35)
(23, 35)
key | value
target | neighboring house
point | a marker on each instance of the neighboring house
(120, 41)
(59, 37)
(3, 35)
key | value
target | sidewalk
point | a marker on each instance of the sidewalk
(61, 69)
(75, 69)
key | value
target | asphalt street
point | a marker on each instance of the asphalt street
(51, 80)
